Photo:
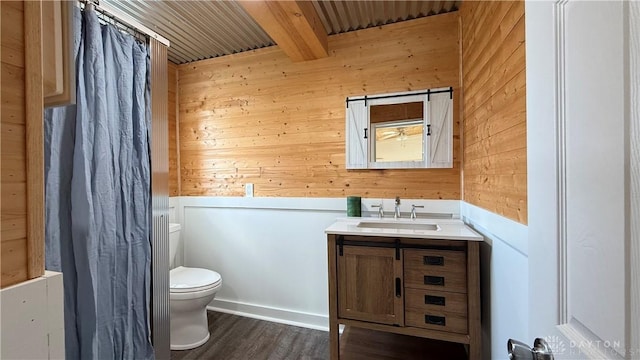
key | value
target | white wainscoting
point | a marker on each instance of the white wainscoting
(272, 252)
(32, 319)
(174, 214)
(504, 279)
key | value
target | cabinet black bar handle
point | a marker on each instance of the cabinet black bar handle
(365, 133)
(398, 287)
(434, 260)
(434, 280)
(435, 320)
(434, 300)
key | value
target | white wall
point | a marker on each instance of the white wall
(504, 279)
(32, 319)
(272, 252)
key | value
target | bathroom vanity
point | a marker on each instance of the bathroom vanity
(411, 277)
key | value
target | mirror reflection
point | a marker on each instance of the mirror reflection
(398, 131)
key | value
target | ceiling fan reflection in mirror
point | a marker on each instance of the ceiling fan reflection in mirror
(398, 131)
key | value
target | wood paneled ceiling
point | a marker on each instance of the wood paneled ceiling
(205, 29)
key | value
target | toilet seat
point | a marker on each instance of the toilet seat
(188, 280)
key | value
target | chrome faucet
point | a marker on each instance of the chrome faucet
(380, 210)
(413, 211)
(396, 214)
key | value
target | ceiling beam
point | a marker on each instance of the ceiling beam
(293, 25)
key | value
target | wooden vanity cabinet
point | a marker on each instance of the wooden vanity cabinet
(419, 287)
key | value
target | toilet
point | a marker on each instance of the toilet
(191, 290)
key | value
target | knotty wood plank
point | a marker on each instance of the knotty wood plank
(12, 56)
(13, 209)
(494, 107)
(506, 140)
(510, 110)
(493, 62)
(257, 111)
(496, 100)
(496, 77)
(12, 23)
(13, 227)
(505, 163)
(493, 35)
(12, 94)
(14, 261)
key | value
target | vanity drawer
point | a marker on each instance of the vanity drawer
(435, 301)
(434, 320)
(439, 270)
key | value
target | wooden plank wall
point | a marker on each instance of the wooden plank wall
(256, 117)
(494, 107)
(172, 108)
(14, 165)
(22, 178)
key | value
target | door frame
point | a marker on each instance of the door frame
(633, 95)
(547, 174)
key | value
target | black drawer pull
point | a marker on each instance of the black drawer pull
(398, 288)
(434, 300)
(435, 320)
(434, 260)
(434, 280)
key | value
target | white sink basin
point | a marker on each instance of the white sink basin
(398, 225)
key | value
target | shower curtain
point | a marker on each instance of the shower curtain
(98, 190)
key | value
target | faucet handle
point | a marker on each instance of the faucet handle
(397, 200)
(413, 210)
(380, 210)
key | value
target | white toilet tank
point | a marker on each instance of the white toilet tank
(174, 243)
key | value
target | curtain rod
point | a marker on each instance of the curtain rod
(126, 20)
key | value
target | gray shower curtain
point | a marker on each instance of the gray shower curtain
(98, 189)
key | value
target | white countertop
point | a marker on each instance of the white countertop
(448, 229)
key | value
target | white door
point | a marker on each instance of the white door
(578, 140)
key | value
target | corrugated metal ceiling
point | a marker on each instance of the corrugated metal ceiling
(205, 29)
(343, 16)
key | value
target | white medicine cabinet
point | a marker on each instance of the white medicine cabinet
(400, 130)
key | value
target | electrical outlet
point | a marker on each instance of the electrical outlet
(248, 190)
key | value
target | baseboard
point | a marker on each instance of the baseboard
(283, 316)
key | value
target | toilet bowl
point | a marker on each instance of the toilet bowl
(191, 290)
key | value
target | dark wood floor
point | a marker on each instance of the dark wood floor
(239, 338)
